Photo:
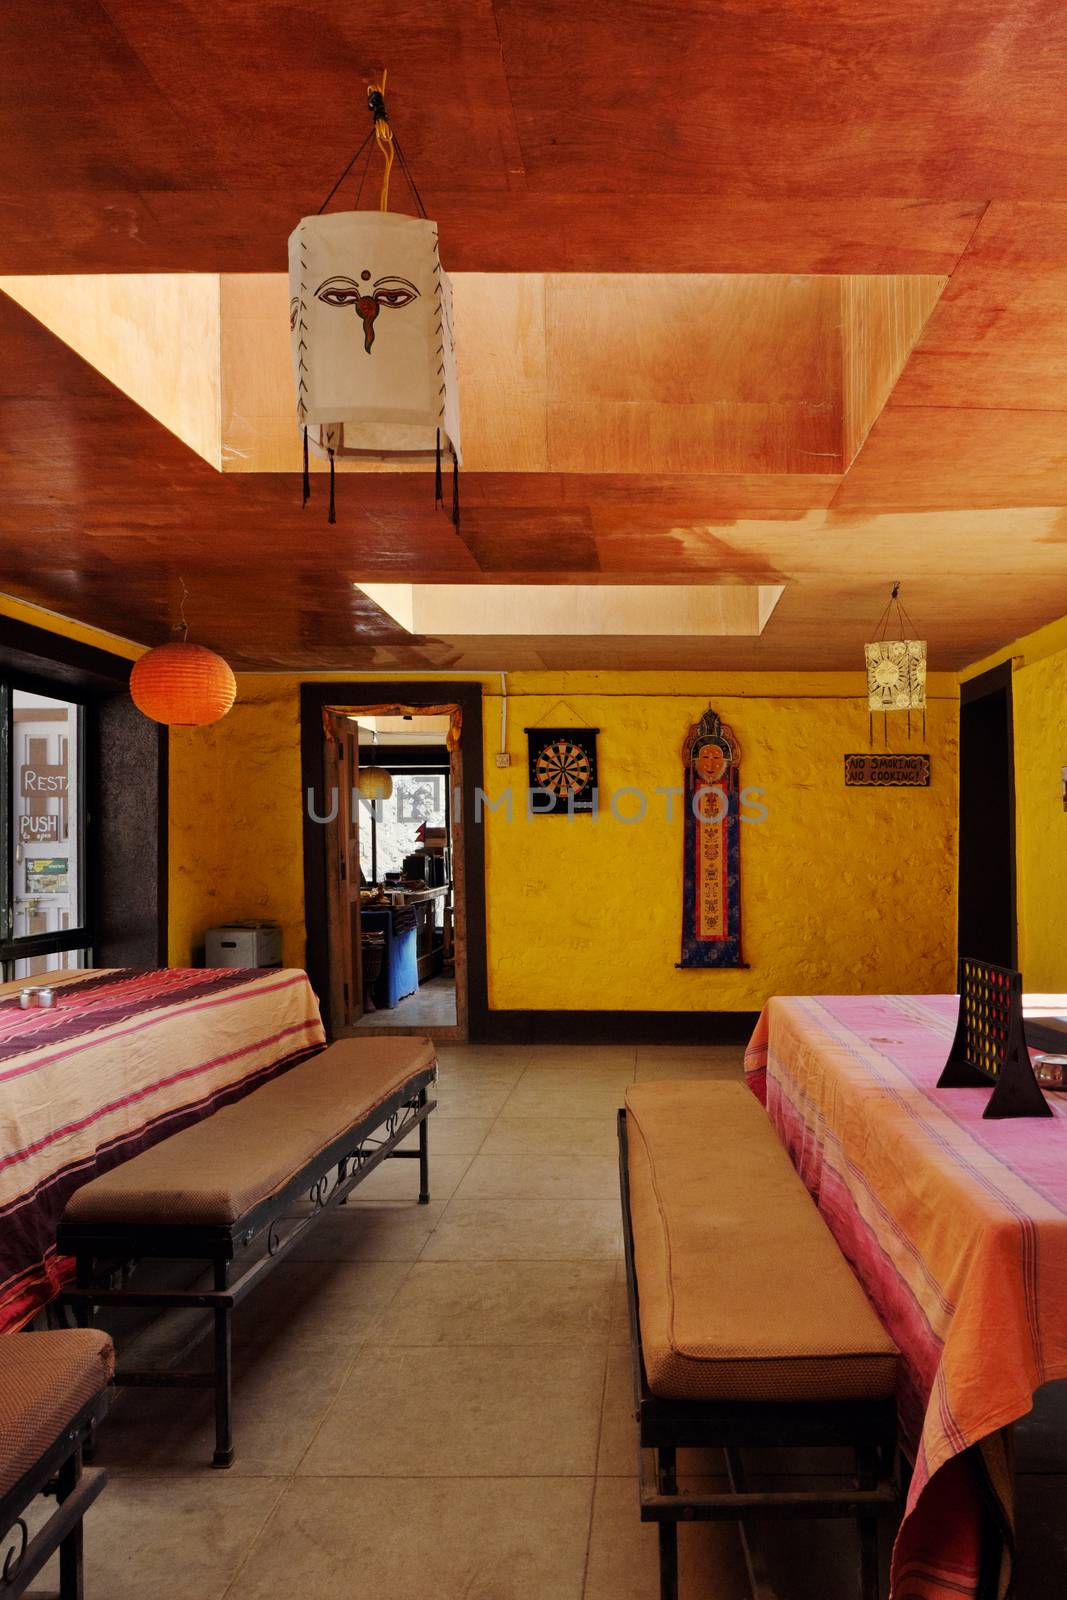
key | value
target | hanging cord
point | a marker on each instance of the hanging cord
(455, 488)
(903, 620)
(438, 491)
(182, 624)
(333, 505)
(412, 185)
(345, 173)
(307, 473)
(389, 145)
(383, 133)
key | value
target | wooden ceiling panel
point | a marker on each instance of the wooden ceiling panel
(921, 458)
(936, 98)
(998, 337)
(278, 90)
(243, 229)
(81, 113)
(621, 136)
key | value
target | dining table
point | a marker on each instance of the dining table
(117, 1061)
(956, 1226)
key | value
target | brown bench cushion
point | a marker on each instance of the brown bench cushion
(215, 1171)
(744, 1294)
(45, 1380)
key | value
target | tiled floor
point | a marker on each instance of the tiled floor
(433, 1403)
(433, 1005)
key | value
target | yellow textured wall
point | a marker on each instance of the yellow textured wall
(844, 889)
(1040, 693)
(235, 820)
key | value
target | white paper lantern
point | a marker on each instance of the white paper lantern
(374, 360)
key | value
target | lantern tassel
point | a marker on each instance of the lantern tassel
(333, 505)
(455, 488)
(307, 473)
(438, 493)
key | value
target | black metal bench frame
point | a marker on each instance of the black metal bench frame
(103, 1250)
(58, 1472)
(666, 1426)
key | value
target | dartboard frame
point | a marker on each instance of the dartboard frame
(545, 751)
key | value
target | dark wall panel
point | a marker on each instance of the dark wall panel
(131, 837)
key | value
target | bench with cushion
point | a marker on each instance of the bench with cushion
(213, 1191)
(53, 1392)
(748, 1326)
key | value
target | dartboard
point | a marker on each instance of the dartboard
(563, 765)
(563, 768)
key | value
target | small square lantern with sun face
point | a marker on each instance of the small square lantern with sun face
(896, 675)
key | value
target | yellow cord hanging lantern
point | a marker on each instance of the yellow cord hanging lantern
(370, 319)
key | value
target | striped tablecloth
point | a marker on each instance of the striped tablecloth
(122, 1059)
(957, 1228)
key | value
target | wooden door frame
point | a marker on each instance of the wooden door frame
(315, 698)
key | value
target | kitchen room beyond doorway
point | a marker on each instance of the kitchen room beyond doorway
(393, 848)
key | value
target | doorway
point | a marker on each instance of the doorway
(987, 912)
(393, 856)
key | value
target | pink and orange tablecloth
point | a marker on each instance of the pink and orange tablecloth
(957, 1228)
(122, 1059)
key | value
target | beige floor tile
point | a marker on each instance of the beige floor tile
(399, 1180)
(533, 1230)
(423, 1539)
(620, 1309)
(470, 1093)
(541, 1136)
(452, 1136)
(500, 1302)
(143, 1531)
(589, 1058)
(725, 1064)
(651, 1053)
(559, 1094)
(448, 1412)
(498, 1060)
(304, 1304)
(278, 1403)
(504, 1177)
(617, 1455)
(381, 1230)
(623, 1553)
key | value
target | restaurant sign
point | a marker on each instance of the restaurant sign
(868, 771)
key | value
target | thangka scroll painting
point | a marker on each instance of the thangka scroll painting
(711, 876)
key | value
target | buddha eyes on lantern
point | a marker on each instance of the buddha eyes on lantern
(395, 292)
(391, 292)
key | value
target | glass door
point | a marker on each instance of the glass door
(43, 916)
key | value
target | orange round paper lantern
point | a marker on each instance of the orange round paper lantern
(183, 685)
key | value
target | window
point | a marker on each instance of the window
(387, 828)
(43, 917)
